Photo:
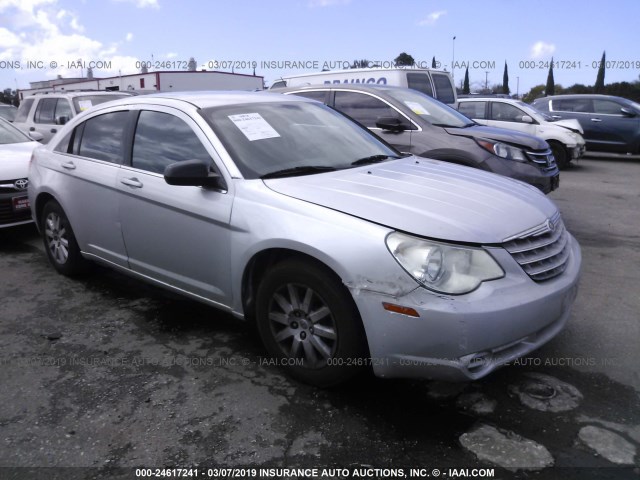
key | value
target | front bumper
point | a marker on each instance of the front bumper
(14, 208)
(459, 338)
(577, 151)
(545, 179)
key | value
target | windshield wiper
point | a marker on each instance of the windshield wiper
(301, 170)
(372, 159)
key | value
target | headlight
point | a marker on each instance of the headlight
(502, 149)
(441, 267)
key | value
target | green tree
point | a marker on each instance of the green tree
(433, 63)
(551, 86)
(505, 80)
(404, 60)
(599, 86)
(535, 92)
(465, 87)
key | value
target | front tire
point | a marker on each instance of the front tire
(310, 325)
(60, 242)
(560, 154)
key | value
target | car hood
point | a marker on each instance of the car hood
(500, 134)
(426, 197)
(14, 159)
(570, 123)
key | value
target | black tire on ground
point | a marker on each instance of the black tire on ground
(60, 242)
(560, 154)
(310, 325)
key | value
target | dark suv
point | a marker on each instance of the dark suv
(418, 124)
(610, 124)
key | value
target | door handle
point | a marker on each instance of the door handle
(69, 165)
(32, 129)
(596, 120)
(132, 182)
(53, 130)
(557, 117)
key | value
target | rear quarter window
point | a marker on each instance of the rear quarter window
(23, 110)
(473, 109)
(444, 88)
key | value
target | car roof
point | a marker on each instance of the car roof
(582, 95)
(493, 99)
(341, 86)
(208, 99)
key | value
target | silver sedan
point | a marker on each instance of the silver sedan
(347, 254)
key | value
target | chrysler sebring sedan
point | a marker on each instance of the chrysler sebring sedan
(346, 254)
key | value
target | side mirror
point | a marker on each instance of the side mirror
(393, 124)
(627, 112)
(62, 119)
(527, 119)
(37, 136)
(193, 173)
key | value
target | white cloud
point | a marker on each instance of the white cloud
(141, 3)
(432, 18)
(542, 49)
(171, 55)
(40, 31)
(327, 3)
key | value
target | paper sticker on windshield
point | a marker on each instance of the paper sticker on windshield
(253, 126)
(417, 108)
(84, 104)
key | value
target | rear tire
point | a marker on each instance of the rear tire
(310, 325)
(60, 242)
(560, 154)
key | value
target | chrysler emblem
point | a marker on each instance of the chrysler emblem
(551, 226)
(21, 184)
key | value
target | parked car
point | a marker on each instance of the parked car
(563, 136)
(8, 112)
(15, 153)
(610, 124)
(45, 113)
(280, 210)
(416, 123)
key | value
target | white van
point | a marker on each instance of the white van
(435, 83)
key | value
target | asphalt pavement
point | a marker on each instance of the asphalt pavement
(103, 375)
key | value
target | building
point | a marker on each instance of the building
(163, 81)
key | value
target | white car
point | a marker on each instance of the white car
(15, 153)
(563, 136)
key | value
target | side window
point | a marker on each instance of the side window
(444, 88)
(63, 109)
(319, 96)
(23, 110)
(162, 139)
(606, 107)
(473, 109)
(506, 113)
(45, 110)
(420, 82)
(580, 105)
(363, 108)
(103, 137)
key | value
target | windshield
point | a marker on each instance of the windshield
(10, 134)
(292, 138)
(429, 109)
(87, 101)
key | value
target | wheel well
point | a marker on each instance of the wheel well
(260, 263)
(41, 201)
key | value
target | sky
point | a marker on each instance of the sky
(40, 39)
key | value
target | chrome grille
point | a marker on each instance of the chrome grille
(542, 252)
(544, 160)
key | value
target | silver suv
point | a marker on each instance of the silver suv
(278, 209)
(46, 112)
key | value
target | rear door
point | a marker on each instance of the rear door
(178, 235)
(88, 162)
